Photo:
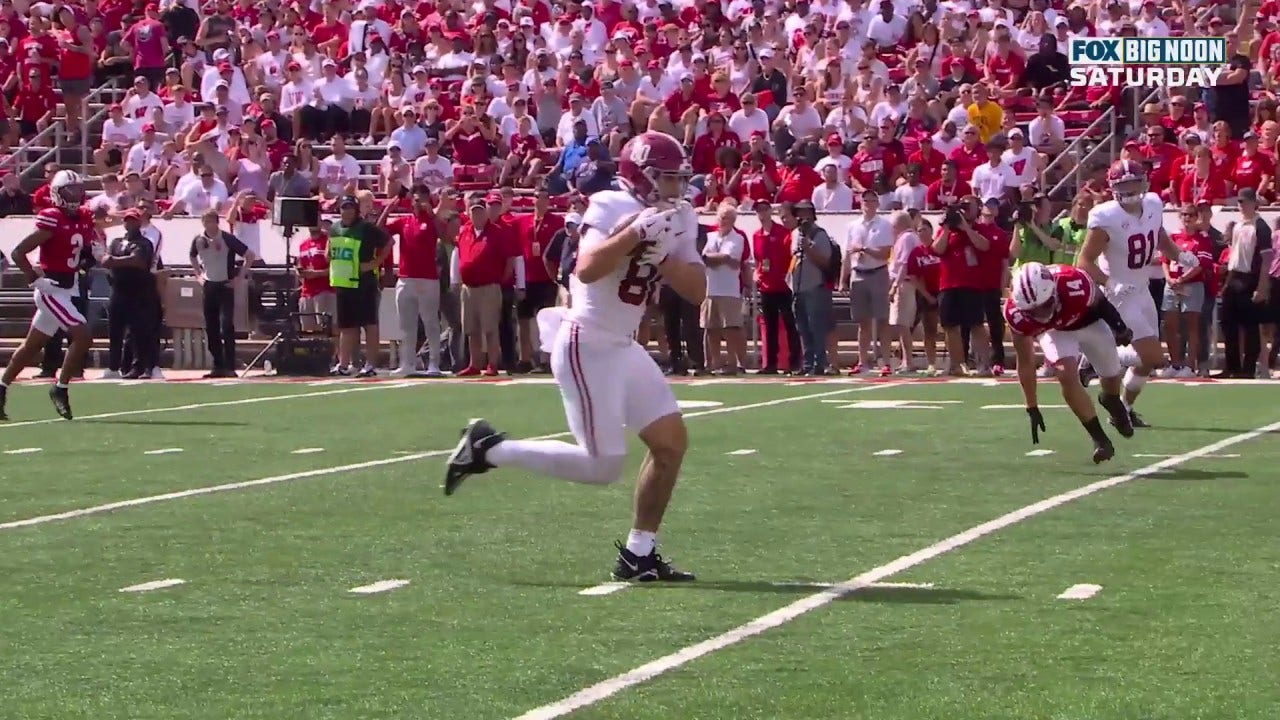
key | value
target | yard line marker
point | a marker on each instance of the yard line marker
(644, 673)
(1083, 591)
(879, 585)
(1020, 407)
(163, 451)
(887, 453)
(220, 403)
(379, 587)
(1039, 453)
(352, 467)
(608, 588)
(1215, 456)
(306, 451)
(744, 451)
(22, 451)
(153, 585)
(692, 404)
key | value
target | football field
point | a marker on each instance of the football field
(883, 549)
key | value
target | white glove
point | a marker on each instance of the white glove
(1188, 260)
(99, 250)
(654, 225)
(44, 285)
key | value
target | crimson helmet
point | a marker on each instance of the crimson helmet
(653, 167)
(1128, 181)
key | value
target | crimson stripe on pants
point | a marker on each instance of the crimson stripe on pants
(580, 380)
(59, 311)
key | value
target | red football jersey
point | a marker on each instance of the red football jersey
(69, 232)
(1076, 293)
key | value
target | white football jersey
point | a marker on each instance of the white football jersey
(615, 304)
(1132, 240)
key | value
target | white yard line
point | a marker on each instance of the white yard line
(379, 587)
(220, 403)
(608, 588)
(614, 685)
(887, 452)
(153, 585)
(1215, 456)
(353, 467)
(1020, 406)
(1083, 591)
(1042, 452)
(743, 451)
(307, 451)
(163, 451)
(22, 451)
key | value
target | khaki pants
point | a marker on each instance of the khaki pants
(419, 299)
(481, 309)
(719, 313)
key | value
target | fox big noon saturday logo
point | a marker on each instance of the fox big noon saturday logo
(1147, 61)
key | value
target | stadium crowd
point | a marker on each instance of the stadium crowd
(440, 117)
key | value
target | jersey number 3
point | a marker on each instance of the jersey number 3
(1141, 249)
(638, 284)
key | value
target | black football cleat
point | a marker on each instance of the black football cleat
(1136, 420)
(1087, 375)
(647, 568)
(1103, 451)
(1119, 416)
(468, 457)
(3, 392)
(61, 401)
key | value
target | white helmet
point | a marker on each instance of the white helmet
(1035, 290)
(66, 188)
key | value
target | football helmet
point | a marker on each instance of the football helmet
(66, 189)
(1128, 182)
(1035, 291)
(653, 167)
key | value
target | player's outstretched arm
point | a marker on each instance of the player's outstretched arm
(1095, 241)
(1025, 351)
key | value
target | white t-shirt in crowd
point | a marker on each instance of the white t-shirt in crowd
(989, 181)
(836, 199)
(865, 234)
(336, 172)
(434, 173)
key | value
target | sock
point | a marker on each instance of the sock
(1094, 428)
(60, 385)
(3, 384)
(641, 542)
(1133, 381)
(557, 459)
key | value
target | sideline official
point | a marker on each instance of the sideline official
(357, 248)
(134, 302)
(213, 255)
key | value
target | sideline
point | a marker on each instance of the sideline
(614, 685)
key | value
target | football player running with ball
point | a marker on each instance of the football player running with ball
(632, 239)
(1121, 239)
(1060, 308)
(62, 233)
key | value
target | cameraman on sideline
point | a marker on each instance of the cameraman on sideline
(958, 242)
(815, 262)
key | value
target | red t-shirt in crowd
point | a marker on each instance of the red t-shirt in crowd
(30, 105)
(706, 147)
(145, 38)
(1195, 188)
(313, 254)
(772, 251)
(470, 149)
(796, 184)
(869, 163)
(1198, 243)
(989, 274)
(968, 160)
(930, 164)
(925, 265)
(960, 264)
(677, 104)
(535, 235)
(941, 195)
(31, 51)
(417, 247)
(1249, 169)
(1005, 70)
(483, 254)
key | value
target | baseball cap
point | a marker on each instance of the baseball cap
(573, 219)
(148, 127)
(475, 201)
(834, 139)
(348, 200)
(1191, 136)
(132, 214)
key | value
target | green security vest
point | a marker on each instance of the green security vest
(1032, 250)
(1072, 240)
(344, 261)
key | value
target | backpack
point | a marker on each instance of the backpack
(831, 272)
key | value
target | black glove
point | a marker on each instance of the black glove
(1037, 424)
(1124, 336)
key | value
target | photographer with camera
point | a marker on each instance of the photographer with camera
(960, 242)
(1034, 236)
(815, 263)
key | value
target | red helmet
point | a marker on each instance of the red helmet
(647, 165)
(1127, 180)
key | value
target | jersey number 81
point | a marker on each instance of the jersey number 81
(1141, 249)
(639, 282)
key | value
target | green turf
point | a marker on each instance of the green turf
(492, 625)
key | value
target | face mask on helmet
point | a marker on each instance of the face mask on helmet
(1129, 190)
(71, 194)
(671, 186)
(1044, 311)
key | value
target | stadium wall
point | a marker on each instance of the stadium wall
(270, 243)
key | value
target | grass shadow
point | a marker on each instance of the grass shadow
(874, 594)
